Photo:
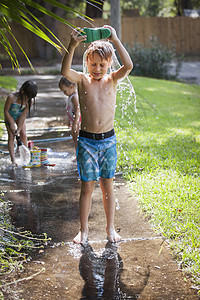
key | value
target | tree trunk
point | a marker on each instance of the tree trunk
(115, 16)
(181, 5)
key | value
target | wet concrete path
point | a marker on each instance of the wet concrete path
(45, 199)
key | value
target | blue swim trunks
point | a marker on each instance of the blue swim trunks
(96, 157)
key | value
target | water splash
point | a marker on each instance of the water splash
(117, 203)
(75, 250)
(24, 155)
(125, 88)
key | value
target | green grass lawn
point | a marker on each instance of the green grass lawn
(8, 82)
(159, 154)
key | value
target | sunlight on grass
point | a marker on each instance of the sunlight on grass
(177, 114)
(150, 89)
(8, 82)
(187, 93)
(196, 123)
(183, 132)
(159, 154)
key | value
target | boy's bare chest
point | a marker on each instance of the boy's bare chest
(98, 92)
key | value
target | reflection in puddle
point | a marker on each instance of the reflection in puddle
(54, 154)
(101, 274)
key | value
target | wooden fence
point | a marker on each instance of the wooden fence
(184, 32)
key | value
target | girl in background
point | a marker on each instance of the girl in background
(16, 107)
(72, 106)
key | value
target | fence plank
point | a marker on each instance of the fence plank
(183, 31)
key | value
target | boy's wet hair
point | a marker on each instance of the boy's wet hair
(66, 82)
(30, 89)
(103, 48)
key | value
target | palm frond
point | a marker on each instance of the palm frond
(6, 44)
(17, 11)
(19, 17)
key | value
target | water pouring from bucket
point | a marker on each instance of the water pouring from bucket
(23, 151)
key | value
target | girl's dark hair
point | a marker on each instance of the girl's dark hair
(30, 89)
(66, 82)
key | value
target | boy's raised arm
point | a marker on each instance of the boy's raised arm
(125, 57)
(66, 70)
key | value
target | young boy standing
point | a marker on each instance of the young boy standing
(96, 151)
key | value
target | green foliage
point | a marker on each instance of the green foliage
(17, 10)
(159, 154)
(153, 61)
(160, 8)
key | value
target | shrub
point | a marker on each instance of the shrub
(154, 61)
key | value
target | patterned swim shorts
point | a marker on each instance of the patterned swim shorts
(96, 158)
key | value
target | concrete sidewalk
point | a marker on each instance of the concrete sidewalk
(45, 199)
(189, 72)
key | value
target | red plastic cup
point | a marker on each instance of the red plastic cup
(30, 145)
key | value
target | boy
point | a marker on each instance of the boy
(96, 151)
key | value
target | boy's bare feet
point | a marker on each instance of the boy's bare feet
(81, 238)
(113, 236)
(14, 164)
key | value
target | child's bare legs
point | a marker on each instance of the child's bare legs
(106, 185)
(11, 138)
(87, 188)
(23, 136)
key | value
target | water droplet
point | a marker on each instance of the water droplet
(117, 204)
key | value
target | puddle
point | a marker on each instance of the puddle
(44, 198)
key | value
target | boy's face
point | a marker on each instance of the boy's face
(97, 67)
